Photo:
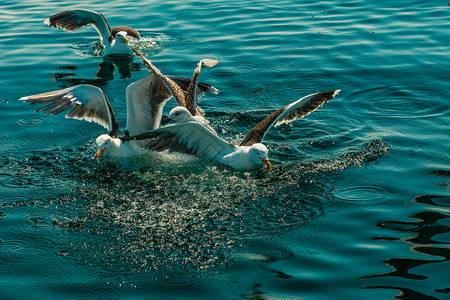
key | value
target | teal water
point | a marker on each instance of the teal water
(356, 207)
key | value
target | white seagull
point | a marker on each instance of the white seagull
(115, 40)
(195, 139)
(145, 100)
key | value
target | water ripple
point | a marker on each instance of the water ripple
(425, 247)
(32, 121)
(361, 193)
(158, 227)
(14, 252)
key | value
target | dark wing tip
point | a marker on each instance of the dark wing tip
(71, 20)
(317, 101)
(328, 95)
(288, 114)
(64, 20)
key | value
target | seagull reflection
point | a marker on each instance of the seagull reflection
(105, 73)
(124, 65)
(429, 224)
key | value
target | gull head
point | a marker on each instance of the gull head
(105, 144)
(259, 155)
(121, 36)
(178, 114)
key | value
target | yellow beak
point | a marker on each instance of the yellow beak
(99, 153)
(267, 163)
(125, 39)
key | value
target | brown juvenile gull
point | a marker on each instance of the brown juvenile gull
(185, 97)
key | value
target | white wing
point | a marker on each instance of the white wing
(145, 101)
(295, 110)
(73, 19)
(87, 102)
(188, 138)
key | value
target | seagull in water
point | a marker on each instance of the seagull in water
(145, 100)
(195, 139)
(115, 40)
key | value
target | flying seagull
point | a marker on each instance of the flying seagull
(194, 138)
(145, 100)
(114, 40)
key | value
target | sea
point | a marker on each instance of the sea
(356, 206)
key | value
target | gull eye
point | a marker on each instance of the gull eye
(258, 153)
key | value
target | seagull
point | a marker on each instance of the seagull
(145, 100)
(115, 40)
(195, 139)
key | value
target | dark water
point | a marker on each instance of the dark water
(358, 203)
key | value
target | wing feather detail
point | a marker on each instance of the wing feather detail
(73, 19)
(295, 110)
(202, 87)
(183, 91)
(175, 89)
(87, 102)
(145, 101)
(191, 90)
(188, 138)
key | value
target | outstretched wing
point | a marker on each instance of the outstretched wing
(174, 88)
(87, 102)
(73, 19)
(287, 114)
(145, 101)
(188, 138)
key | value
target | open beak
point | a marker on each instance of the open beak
(165, 121)
(99, 153)
(267, 163)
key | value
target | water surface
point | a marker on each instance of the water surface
(356, 207)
